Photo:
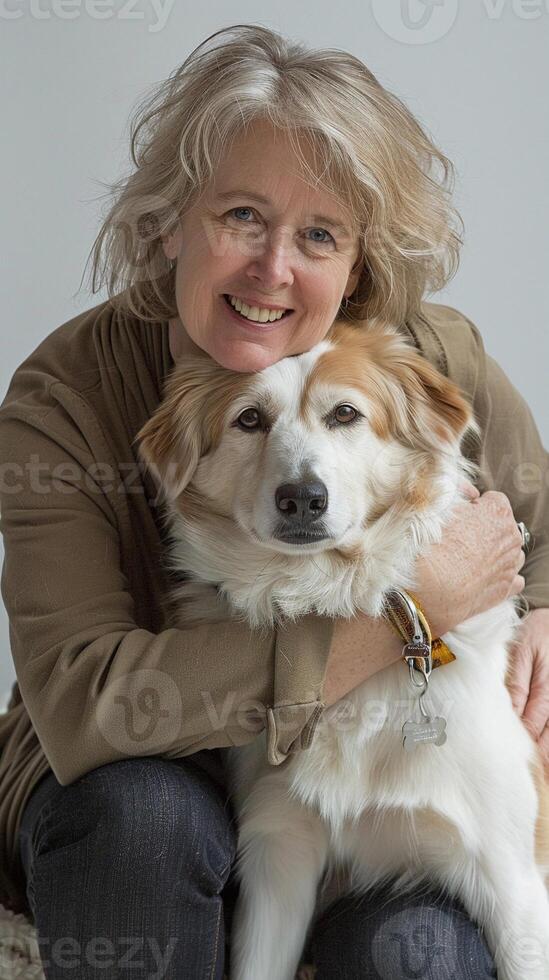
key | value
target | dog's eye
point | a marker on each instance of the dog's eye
(249, 419)
(345, 413)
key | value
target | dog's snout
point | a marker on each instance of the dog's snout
(302, 502)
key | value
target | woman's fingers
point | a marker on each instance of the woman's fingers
(469, 489)
(519, 677)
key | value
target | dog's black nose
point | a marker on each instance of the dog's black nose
(302, 503)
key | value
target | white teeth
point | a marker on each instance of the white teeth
(259, 315)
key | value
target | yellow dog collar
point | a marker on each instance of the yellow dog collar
(400, 621)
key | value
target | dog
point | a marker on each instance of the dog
(313, 486)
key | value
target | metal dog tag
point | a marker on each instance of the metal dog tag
(428, 729)
(419, 732)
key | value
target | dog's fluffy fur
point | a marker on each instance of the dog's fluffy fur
(469, 816)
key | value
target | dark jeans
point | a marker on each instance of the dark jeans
(128, 875)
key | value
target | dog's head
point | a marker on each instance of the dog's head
(308, 453)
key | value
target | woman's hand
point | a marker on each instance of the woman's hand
(476, 564)
(528, 676)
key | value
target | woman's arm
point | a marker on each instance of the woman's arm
(474, 567)
(360, 647)
(515, 462)
(97, 687)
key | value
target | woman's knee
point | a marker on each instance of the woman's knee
(149, 809)
(399, 937)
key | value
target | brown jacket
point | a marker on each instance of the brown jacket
(100, 677)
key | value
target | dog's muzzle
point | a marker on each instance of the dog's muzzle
(301, 506)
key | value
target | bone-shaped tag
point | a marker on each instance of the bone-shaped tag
(431, 730)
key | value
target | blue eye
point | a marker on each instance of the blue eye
(242, 209)
(323, 231)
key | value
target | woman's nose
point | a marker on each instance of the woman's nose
(273, 260)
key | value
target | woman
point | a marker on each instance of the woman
(291, 179)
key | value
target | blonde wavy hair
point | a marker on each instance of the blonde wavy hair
(369, 151)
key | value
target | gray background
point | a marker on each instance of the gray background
(474, 74)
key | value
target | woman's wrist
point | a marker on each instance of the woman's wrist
(434, 601)
(360, 647)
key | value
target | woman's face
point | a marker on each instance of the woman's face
(261, 234)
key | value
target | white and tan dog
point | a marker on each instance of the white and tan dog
(313, 486)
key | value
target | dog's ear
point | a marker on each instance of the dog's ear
(171, 442)
(424, 408)
(437, 411)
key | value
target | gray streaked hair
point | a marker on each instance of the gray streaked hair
(368, 148)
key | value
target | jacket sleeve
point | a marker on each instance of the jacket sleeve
(515, 461)
(97, 687)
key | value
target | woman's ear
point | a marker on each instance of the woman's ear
(354, 276)
(171, 243)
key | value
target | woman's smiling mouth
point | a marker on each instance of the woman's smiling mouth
(255, 325)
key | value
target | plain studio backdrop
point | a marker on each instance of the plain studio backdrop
(474, 74)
